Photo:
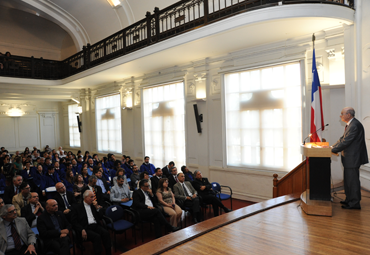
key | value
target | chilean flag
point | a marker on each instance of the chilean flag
(317, 118)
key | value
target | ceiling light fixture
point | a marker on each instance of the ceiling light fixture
(114, 3)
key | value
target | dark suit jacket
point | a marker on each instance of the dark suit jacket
(154, 180)
(171, 181)
(46, 227)
(70, 197)
(138, 202)
(27, 213)
(8, 194)
(204, 182)
(166, 171)
(79, 217)
(352, 145)
(98, 192)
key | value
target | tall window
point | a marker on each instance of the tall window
(74, 134)
(164, 113)
(108, 123)
(263, 117)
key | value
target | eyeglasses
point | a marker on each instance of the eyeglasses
(12, 211)
(146, 186)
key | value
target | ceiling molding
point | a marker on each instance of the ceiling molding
(64, 19)
(129, 13)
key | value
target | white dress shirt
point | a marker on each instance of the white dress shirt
(90, 216)
(148, 202)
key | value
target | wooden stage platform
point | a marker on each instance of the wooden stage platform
(281, 228)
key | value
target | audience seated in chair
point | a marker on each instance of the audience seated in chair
(189, 177)
(135, 176)
(21, 239)
(204, 189)
(13, 189)
(61, 173)
(96, 190)
(166, 171)
(120, 172)
(32, 210)
(65, 199)
(187, 196)
(167, 199)
(143, 202)
(78, 186)
(172, 179)
(51, 179)
(147, 167)
(21, 199)
(155, 179)
(86, 218)
(102, 183)
(120, 192)
(54, 228)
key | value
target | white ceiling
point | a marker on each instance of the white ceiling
(239, 32)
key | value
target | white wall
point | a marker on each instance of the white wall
(39, 126)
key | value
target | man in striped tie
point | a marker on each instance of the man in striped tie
(17, 236)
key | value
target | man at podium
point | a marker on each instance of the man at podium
(354, 154)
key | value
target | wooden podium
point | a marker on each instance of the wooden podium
(316, 200)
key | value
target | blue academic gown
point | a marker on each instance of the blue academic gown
(150, 168)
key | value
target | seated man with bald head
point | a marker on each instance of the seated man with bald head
(86, 219)
(65, 200)
(54, 228)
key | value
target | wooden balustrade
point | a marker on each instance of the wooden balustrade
(294, 182)
(180, 17)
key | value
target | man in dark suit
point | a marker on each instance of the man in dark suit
(186, 195)
(13, 189)
(354, 154)
(95, 189)
(155, 179)
(143, 202)
(33, 210)
(54, 228)
(204, 189)
(166, 171)
(172, 179)
(86, 219)
(189, 177)
(65, 200)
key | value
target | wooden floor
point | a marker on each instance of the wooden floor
(286, 229)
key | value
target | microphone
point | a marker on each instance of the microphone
(304, 141)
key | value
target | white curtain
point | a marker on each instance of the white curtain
(108, 123)
(263, 117)
(74, 134)
(164, 127)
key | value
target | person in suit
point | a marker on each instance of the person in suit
(65, 200)
(204, 189)
(13, 189)
(166, 171)
(143, 203)
(187, 196)
(86, 219)
(95, 189)
(33, 210)
(189, 177)
(21, 200)
(172, 179)
(54, 228)
(17, 236)
(354, 154)
(155, 179)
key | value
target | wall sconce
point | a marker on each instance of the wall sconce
(127, 100)
(15, 112)
(200, 86)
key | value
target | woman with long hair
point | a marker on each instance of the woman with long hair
(87, 156)
(84, 173)
(167, 199)
(78, 186)
(68, 181)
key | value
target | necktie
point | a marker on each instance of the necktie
(16, 191)
(186, 192)
(94, 195)
(16, 238)
(345, 128)
(176, 179)
(65, 201)
(25, 202)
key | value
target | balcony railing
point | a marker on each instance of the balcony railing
(181, 17)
